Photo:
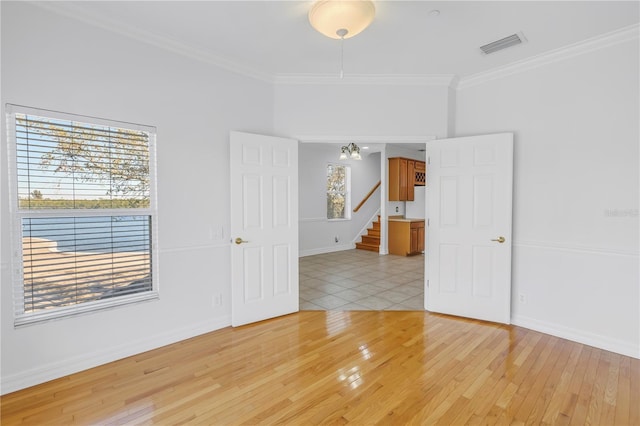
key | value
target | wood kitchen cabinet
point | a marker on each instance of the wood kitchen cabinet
(420, 175)
(398, 179)
(411, 172)
(406, 236)
(404, 174)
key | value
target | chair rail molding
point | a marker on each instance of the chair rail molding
(570, 247)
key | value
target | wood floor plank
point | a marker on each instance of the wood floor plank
(624, 385)
(596, 402)
(553, 379)
(634, 412)
(335, 368)
(584, 394)
(525, 376)
(554, 408)
(570, 396)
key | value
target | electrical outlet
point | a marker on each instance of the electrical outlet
(217, 299)
(523, 298)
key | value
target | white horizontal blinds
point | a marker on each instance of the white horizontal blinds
(69, 164)
(84, 212)
(84, 259)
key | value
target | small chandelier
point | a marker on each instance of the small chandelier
(350, 151)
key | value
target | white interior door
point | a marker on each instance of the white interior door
(470, 183)
(264, 227)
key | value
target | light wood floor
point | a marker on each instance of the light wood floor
(388, 367)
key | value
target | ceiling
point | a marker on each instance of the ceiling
(274, 38)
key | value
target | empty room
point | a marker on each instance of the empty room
(314, 212)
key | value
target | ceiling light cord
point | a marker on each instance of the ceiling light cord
(341, 33)
(342, 58)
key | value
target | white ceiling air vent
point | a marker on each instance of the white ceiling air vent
(503, 43)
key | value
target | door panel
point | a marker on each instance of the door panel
(264, 216)
(470, 204)
(449, 200)
(252, 193)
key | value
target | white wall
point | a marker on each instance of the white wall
(576, 189)
(360, 110)
(352, 108)
(416, 209)
(52, 62)
(317, 234)
(576, 182)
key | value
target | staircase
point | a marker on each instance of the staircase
(371, 241)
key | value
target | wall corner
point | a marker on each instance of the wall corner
(452, 95)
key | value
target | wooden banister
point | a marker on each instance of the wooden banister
(364, 200)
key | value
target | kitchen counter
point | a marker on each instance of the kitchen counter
(403, 219)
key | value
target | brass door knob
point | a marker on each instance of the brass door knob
(240, 241)
(500, 239)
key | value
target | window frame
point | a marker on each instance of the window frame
(17, 214)
(347, 192)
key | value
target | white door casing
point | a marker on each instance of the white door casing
(470, 183)
(264, 217)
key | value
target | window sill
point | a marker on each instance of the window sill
(23, 320)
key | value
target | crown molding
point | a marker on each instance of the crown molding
(612, 38)
(364, 79)
(363, 138)
(71, 10)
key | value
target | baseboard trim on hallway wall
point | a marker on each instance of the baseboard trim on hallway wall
(323, 250)
(580, 336)
(45, 373)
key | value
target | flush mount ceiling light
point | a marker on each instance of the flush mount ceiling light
(350, 151)
(341, 19)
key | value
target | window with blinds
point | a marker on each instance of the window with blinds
(84, 213)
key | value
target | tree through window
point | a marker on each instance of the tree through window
(338, 191)
(84, 213)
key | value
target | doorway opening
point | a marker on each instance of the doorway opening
(340, 277)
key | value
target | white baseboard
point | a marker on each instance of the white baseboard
(323, 250)
(580, 336)
(59, 369)
(587, 295)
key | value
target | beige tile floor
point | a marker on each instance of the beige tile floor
(361, 280)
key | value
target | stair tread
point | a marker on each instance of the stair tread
(371, 241)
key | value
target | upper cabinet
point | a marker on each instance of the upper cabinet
(398, 179)
(404, 174)
(420, 177)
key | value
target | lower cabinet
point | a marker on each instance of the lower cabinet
(406, 237)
